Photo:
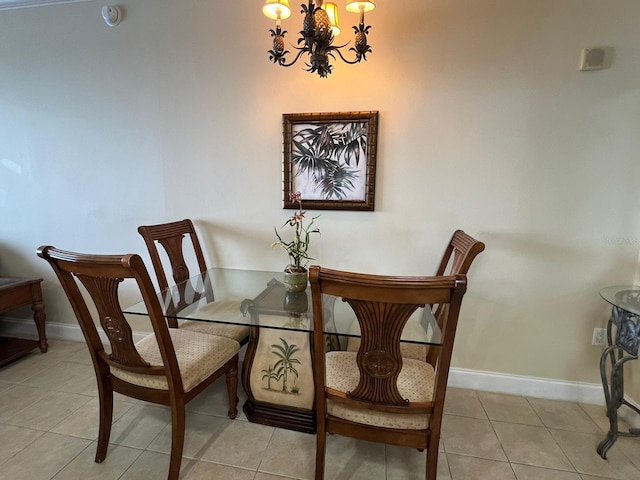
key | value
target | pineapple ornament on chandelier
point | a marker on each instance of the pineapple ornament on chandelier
(319, 30)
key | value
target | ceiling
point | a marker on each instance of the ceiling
(9, 4)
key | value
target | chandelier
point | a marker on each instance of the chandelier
(319, 30)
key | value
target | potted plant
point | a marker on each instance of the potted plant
(296, 274)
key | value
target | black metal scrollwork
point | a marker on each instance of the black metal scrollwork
(623, 335)
(627, 334)
(316, 40)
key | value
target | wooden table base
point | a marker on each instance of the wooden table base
(281, 416)
(284, 401)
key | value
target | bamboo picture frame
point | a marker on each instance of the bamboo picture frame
(330, 158)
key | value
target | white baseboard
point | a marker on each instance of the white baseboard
(458, 377)
(13, 327)
(526, 386)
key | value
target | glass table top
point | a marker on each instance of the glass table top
(258, 298)
(626, 297)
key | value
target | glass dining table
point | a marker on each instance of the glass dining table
(277, 371)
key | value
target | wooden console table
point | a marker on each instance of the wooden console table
(14, 293)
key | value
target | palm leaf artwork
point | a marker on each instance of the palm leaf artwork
(353, 141)
(330, 155)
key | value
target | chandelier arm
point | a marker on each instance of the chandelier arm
(350, 62)
(294, 60)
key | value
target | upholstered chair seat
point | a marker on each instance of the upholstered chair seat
(198, 356)
(224, 309)
(415, 383)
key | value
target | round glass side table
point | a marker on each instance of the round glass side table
(623, 341)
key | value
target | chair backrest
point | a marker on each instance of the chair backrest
(459, 254)
(382, 305)
(170, 236)
(458, 257)
(101, 276)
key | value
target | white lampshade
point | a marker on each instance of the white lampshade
(277, 9)
(332, 11)
(357, 7)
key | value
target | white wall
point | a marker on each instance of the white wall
(485, 124)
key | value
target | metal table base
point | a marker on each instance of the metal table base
(623, 338)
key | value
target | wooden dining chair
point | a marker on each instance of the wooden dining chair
(456, 260)
(170, 236)
(376, 394)
(458, 256)
(169, 367)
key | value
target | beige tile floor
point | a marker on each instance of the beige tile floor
(49, 417)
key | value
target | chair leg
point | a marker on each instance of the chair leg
(232, 388)
(432, 462)
(177, 440)
(321, 442)
(105, 396)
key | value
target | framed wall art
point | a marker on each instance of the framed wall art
(330, 158)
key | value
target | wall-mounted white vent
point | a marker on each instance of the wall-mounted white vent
(9, 4)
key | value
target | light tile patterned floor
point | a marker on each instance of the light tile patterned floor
(49, 418)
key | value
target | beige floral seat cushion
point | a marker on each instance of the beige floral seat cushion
(235, 332)
(415, 383)
(198, 356)
(222, 311)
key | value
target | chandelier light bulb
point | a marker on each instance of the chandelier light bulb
(357, 7)
(332, 10)
(277, 9)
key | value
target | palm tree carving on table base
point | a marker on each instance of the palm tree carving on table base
(283, 367)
